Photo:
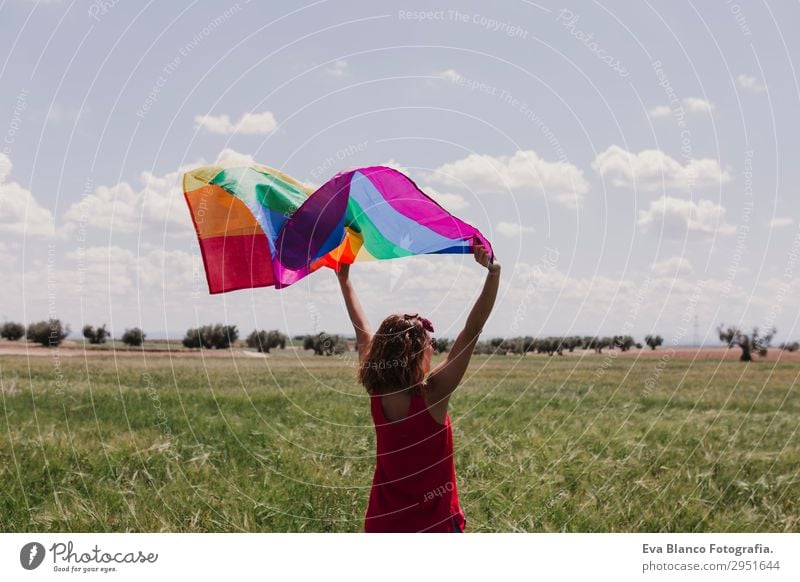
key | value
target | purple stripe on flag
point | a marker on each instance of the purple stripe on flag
(312, 225)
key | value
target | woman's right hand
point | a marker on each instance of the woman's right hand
(482, 257)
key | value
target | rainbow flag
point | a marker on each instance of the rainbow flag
(258, 227)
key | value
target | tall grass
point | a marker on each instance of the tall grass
(287, 444)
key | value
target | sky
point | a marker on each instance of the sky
(633, 164)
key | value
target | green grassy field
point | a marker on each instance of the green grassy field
(286, 444)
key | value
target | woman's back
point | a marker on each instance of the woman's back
(414, 486)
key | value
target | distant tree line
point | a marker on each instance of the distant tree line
(219, 336)
(325, 344)
(52, 332)
(555, 345)
(216, 336)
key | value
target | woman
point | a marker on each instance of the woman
(414, 484)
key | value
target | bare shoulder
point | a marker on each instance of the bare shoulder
(437, 401)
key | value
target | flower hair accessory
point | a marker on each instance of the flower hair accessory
(426, 323)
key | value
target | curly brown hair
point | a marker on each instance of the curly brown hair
(394, 356)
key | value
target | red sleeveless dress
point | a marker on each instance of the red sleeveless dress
(414, 486)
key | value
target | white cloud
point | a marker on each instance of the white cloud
(157, 204)
(105, 205)
(229, 155)
(425, 278)
(250, 123)
(339, 69)
(697, 105)
(750, 83)
(215, 123)
(395, 165)
(672, 266)
(20, 213)
(596, 304)
(450, 202)
(524, 171)
(690, 105)
(64, 114)
(680, 217)
(255, 123)
(780, 222)
(660, 111)
(555, 285)
(5, 167)
(105, 270)
(513, 229)
(450, 75)
(653, 169)
(171, 270)
(9, 253)
(121, 271)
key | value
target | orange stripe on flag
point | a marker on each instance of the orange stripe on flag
(218, 213)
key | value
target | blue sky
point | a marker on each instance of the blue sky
(633, 164)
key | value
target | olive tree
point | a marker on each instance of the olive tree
(264, 341)
(653, 341)
(754, 342)
(48, 333)
(12, 331)
(133, 337)
(95, 336)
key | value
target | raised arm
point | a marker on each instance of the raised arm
(445, 377)
(354, 310)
